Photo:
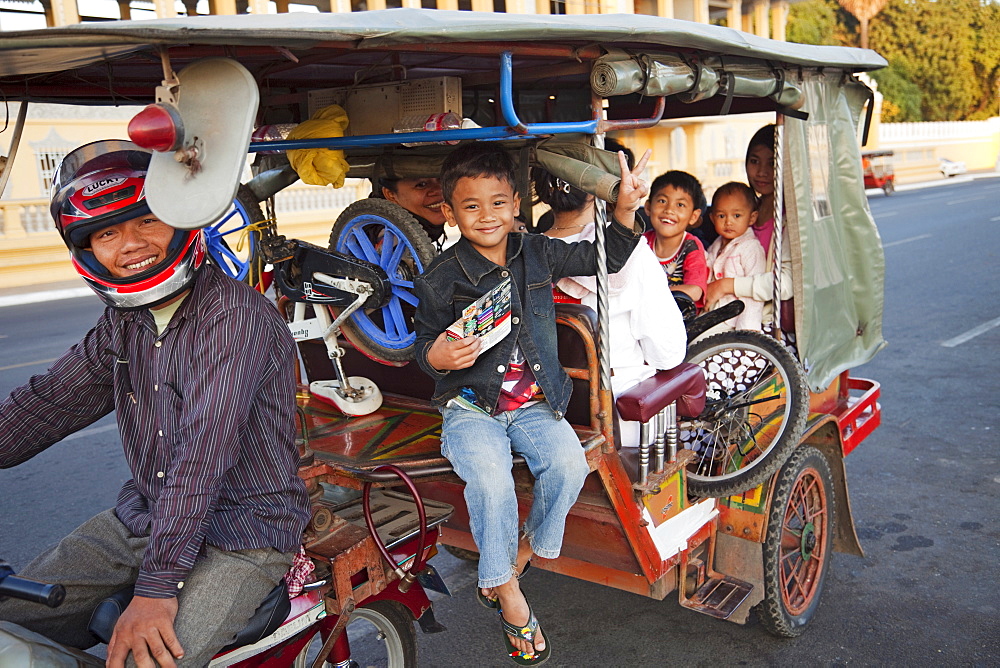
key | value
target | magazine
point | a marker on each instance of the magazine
(487, 318)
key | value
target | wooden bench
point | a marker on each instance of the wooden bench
(406, 430)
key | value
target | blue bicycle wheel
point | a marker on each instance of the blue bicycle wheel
(223, 238)
(385, 234)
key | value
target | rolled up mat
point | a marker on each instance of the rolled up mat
(668, 75)
(619, 77)
(650, 75)
(584, 176)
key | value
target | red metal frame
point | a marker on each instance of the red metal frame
(862, 416)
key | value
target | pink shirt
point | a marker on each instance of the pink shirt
(764, 232)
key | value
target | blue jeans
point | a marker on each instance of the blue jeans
(479, 448)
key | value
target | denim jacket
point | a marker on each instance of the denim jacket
(460, 275)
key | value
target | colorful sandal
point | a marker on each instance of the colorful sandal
(491, 603)
(494, 603)
(526, 632)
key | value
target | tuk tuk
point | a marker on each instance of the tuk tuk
(738, 494)
(878, 170)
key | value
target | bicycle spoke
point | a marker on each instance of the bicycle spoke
(397, 318)
(362, 246)
(395, 257)
(217, 226)
(405, 295)
(399, 282)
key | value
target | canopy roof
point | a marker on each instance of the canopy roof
(101, 63)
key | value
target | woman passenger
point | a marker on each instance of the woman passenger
(422, 197)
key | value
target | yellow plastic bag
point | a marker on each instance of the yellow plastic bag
(320, 166)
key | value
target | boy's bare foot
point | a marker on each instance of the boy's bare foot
(515, 610)
(524, 555)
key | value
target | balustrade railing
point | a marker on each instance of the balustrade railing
(29, 217)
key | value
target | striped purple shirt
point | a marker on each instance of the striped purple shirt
(206, 413)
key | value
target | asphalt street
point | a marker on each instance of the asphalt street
(925, 487)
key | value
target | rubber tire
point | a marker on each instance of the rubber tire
(764, 466)
(889, 188)
(253, 214)
(392, 619)
(772, 611)
(417, 239)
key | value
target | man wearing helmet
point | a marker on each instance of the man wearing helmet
(200, 371)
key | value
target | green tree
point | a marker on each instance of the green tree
(948, 49)
(944, 55)
(901, 97)
(815, 22)
(986, 59)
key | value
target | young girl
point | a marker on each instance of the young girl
(760, 286)
(736, 253)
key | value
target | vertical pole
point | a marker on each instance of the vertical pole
(779, 19)
(165, 9)
(603, 342)
(761, 12)
(779, 220)
(15, 142)
(644, 451)
(734, 15)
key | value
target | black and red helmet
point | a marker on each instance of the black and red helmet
(103, 184)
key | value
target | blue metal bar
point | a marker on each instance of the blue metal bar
(507, 93)
(534, 130)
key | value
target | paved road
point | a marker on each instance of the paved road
(925, 487)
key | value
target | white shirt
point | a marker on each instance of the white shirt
(645, 327)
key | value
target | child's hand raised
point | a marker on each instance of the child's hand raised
(633, 189)
(446, 355)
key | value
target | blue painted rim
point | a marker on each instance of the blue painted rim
(223, 256)
(395, 333)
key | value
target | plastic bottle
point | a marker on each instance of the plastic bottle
(447, 120)
(273, 132)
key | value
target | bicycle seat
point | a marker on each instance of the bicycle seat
(265, 620)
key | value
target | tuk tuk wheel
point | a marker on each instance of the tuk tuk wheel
(798, 543)
(755, 411)
(889, 187)
(388, 235)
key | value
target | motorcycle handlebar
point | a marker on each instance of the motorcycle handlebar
(51, 595)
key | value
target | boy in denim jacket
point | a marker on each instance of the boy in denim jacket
(513, 399)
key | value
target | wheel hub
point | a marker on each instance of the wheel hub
(808, 543)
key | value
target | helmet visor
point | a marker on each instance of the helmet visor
(91, 159)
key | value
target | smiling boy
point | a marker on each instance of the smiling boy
(675, 205)
(513, 395)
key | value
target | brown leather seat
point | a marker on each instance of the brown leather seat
(684, 384)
